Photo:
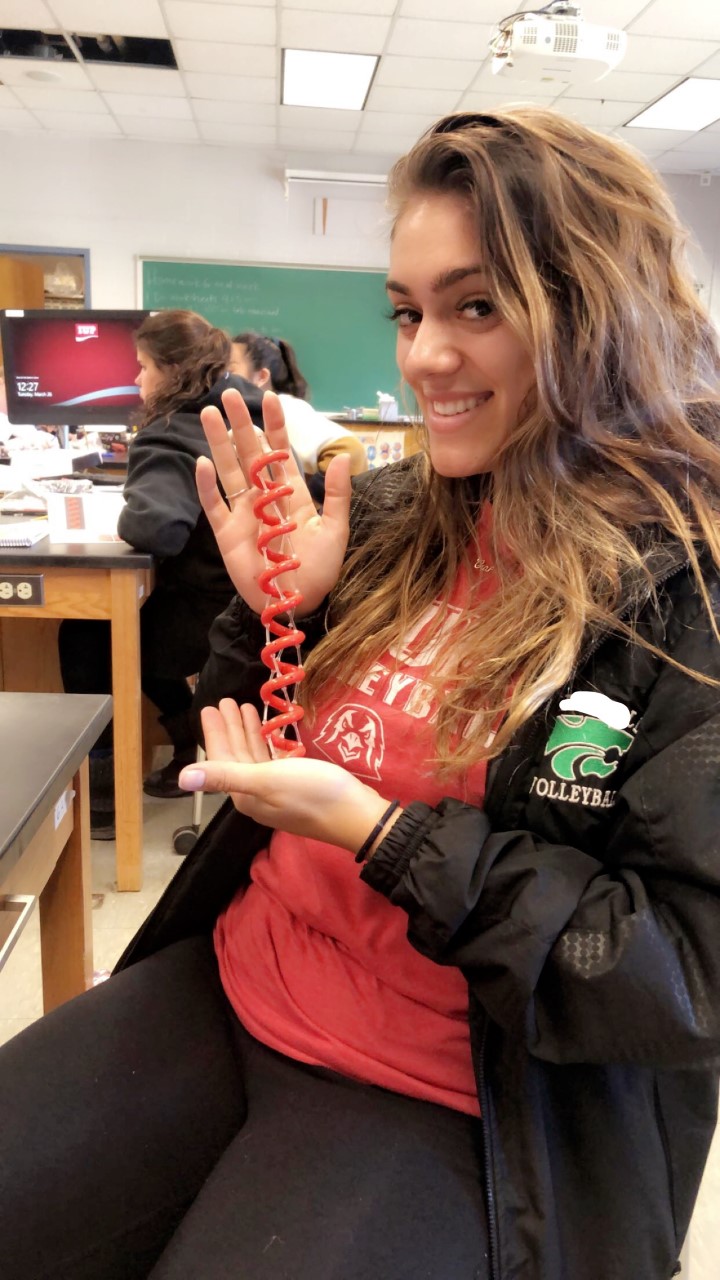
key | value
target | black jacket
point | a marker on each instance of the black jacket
(582, 904)
(163, 513)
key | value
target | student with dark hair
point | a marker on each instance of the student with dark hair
(440, 999)
(271, 365)
(183, 369)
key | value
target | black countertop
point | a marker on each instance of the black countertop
(73, 555)
(43, 739)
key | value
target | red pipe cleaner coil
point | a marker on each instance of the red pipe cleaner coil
(284, 673)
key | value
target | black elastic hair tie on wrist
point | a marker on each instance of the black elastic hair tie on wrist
(365, 848)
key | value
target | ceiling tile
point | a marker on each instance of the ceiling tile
(659, 56)
(688, 162)
(395, 122)
(440, 101)
(257, 136)
(383, 7)
(376, 144)
(229, 59)
(68, 75)
(77, 122)
(13, 118)
(490, 96)
(412, 38)
(622, 86)
(334, 32)
(28, 15)
(691, 20)
(7, 97)
(161, 81)
(611, 13)
(711, 68)
(651, 142)
(138, 104)
(708, 141)
(111, 17)
(430, 73)
(159, 128)
(318, 118)
(316, 139)
(597, 114)
(227, 24)
(40, 97)
(490, 11)
(232, 88)
(229, 113)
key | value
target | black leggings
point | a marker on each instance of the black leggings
(173, 645)
(145, 1133)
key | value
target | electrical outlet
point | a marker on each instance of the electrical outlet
(20, 589)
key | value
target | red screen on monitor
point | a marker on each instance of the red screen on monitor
(74, 367)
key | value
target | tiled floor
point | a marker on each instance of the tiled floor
(116, 916)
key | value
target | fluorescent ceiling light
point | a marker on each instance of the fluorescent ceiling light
(339, 80)
(689, 106)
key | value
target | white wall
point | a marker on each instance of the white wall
(122, 199)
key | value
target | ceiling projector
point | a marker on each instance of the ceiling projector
(555, 44)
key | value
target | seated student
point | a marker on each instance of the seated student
(183, 368)
(490, 1052)
(271, 364)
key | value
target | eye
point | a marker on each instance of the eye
(403, 317)
(477, 309)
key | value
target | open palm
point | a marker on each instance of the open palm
(319, 541)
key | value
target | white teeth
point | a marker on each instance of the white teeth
(448, 407)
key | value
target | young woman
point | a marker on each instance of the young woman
(271, 365)
(183, 369)
(491, 1051)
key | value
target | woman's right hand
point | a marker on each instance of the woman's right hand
(319, 542)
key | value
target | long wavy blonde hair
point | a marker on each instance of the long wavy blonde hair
(616, 453)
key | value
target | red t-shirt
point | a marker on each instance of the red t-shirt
(317, 964)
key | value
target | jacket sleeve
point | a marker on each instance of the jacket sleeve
(587, 959)
(162, 506)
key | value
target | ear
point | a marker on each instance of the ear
(262, 379)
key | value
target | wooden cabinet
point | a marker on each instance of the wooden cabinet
(22, 283)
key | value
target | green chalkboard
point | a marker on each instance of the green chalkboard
(333, 319)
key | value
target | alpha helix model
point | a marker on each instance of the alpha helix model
(280, 730)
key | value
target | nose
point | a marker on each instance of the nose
(138, 380)
(432, 352)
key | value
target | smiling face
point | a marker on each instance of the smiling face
(470, 373)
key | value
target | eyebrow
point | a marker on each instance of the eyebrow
(442, 281)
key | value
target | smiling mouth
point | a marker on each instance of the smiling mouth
(450, 408)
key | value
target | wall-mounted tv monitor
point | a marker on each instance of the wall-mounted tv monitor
(71, 368)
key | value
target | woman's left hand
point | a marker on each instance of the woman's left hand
(312, 798)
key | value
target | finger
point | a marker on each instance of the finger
(235, 729)
(244, 440)
(253, 733)
(278, 438)
(217, 742)
(338, 491)
(222, 448)
(211, 502)
(220, 776)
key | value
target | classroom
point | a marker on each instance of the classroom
(210, 197)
